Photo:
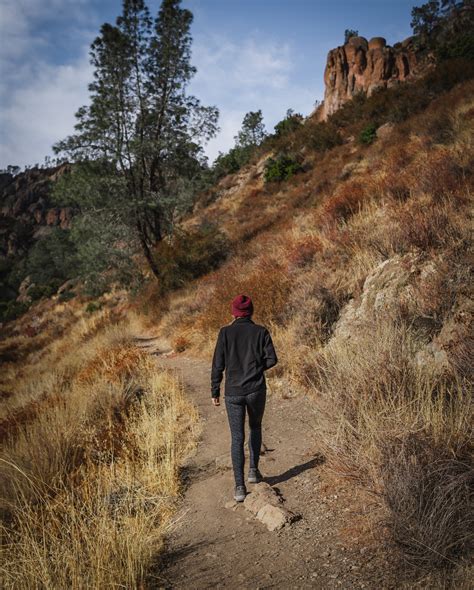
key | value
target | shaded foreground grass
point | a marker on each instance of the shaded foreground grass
(89, 483)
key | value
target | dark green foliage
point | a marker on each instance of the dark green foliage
(105, 252)
(368, 134)
(66, 296)
(40, 291)
(293, 135)
(104, 241)
(348, 33)
(232, 161)
(291, 122)
(51, 261)
(446, 27)
(10, 310)
(93, 306)
(461, 46)
(189, 254)
(282, 167)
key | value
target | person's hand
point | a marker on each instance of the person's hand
(216, 401)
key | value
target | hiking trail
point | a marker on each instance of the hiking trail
(214, 546)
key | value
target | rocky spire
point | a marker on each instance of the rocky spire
(362, 65)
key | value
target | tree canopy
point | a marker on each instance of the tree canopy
(138, 143)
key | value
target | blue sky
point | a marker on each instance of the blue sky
(250, 54)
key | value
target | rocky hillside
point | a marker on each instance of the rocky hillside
(26, 215)
(25, 207)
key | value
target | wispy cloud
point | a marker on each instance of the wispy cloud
(38, 97)
(41, 112)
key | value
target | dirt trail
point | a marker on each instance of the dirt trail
(212, 546)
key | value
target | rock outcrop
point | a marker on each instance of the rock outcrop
(362, 65)
(26, 208)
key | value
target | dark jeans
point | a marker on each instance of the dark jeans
(235, 406)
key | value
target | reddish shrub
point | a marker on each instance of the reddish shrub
(114, 364)
(302, 251)
(423, 224)
(345, 202)
(438, 175)
(181, 343)
(267, 283)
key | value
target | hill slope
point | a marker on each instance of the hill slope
(359, 264)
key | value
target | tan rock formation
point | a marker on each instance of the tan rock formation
(362, 65)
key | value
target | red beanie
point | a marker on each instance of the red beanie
(242, 306)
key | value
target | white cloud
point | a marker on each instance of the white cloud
(38, 98)
(41, 112)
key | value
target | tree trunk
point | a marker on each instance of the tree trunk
(147, 253)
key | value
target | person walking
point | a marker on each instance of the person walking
(245, 351)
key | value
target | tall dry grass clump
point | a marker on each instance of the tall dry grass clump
(90, 481)
(406, 434)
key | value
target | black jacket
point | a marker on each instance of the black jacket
(245, 350)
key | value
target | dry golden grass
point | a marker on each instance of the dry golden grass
(402, 430)
(90, 480)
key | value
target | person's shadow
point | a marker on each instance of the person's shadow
(296, 470)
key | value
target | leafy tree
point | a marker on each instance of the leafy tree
(291, 122)
(251, 135)
(446, 27)
(105, 248)
(252, 132)
(51, 261)
(139, 139)
(348, 33)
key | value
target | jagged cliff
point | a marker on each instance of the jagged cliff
(362, 65)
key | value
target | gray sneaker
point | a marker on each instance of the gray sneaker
(240, 493)
(254, 475)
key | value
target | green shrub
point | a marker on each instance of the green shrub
(11, 310)
(39, 291)
(51, 261)
(282, 167)
(93, 306)
(368, 134)
(66, 296)
(462, 45)
(291, 122)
